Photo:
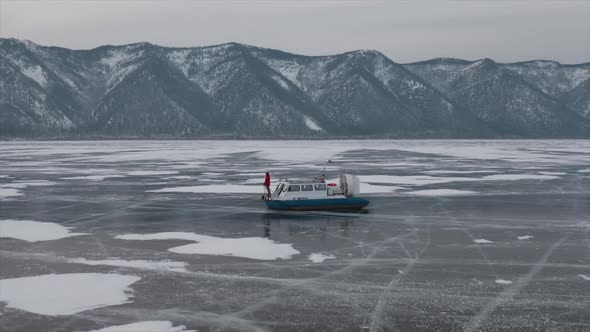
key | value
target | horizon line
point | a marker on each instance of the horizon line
(295, 54)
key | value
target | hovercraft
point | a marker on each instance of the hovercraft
(316, 195)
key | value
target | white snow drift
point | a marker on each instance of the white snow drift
(503, 282)
(483, 241)
(250, 247)
(66, 294)
(146, 326)
(33, 231)
(318, 258)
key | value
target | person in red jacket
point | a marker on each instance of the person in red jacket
(267, 183)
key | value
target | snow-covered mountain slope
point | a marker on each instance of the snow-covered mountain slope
(234, 90)
(510, 103)
(551, 77)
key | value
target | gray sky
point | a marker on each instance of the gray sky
(504, 30)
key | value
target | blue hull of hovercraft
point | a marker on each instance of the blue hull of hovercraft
(346, 203)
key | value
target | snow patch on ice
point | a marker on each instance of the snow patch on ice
(250, 247)
(456, 172)
(510, 177)
(253, 181)
(11, 189)
(138, 264)
(31, 183)
(525, 237)
(93, 177)
(553, 173)
(503, 281)
(441, 192)
(146, 326)
(482, 241)
(254, 248)
(318, 258)
(211, 173)
(311, 124)
(66, 294)
(34, 231)
(152, 173)
(587, 170)
(9, 192)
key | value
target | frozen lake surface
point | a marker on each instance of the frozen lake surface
(172, 236)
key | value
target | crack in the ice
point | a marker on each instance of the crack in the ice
(510, 292)
(376, 320)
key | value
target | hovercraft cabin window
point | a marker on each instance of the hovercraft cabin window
(294, 187)
(320, 187)
(306, 187)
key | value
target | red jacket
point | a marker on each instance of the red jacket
(267, 180)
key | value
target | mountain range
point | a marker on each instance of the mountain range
(240, 91)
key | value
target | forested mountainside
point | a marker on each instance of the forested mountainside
(240, 91)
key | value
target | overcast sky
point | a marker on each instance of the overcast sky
(504, 30)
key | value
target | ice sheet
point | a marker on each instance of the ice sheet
(250, 247)
(212, 189)
(416, 180)
(512, 151)
(440, 192)
(421, 180)
(258, 181)
(137, 173)
(457, 172)
(416, 235)
(139, 264)
(66, 294)
(146, 326)
(366, 188)
(33, 231)
(211, 173)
